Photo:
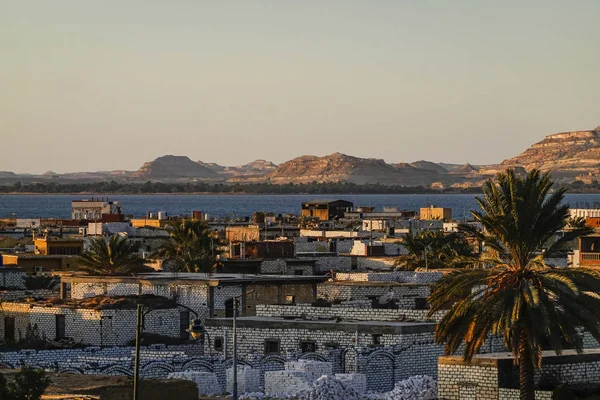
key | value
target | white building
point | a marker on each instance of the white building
(93, 208)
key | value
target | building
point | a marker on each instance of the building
(495, 376)
(593, 222)
(98, 321)
(53, 246)
(439, 213)
(584, 212)
(206, 294)
(326, 210)
(262, 249)
(93, 209)
(36, 263)
(589, 251)
(247, 233)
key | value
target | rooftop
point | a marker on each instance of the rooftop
(195, 278)
(549, 356)
(383, 327)
(109, 303)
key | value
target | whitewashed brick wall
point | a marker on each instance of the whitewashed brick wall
(397, 276)
(346, 313)
(12, 295)
(375, 263)
(12, 279)
(338, 264)
(339, 291)
(224, 293)
(481, 377)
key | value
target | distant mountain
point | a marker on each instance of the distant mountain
(569, 155)
(255, 168)
(173, 167)
(429, 165)
(342, 167)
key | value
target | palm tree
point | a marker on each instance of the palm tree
(433, 249)
(115, 256)
(517, 296)
(192, 247)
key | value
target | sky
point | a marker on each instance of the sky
(109, 85)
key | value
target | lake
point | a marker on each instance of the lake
(59, 206)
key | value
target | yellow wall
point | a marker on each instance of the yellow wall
(242, 233)
(429, 213)
(153, 223)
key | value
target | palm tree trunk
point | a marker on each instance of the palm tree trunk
(526, 370)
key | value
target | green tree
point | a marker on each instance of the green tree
(433, 249)
(517, 296)
(115, 256)
(192, 247)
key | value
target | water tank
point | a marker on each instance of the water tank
(162, 215)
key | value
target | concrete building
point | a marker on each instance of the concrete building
(495, 377)
(584, 212)
(97, 321)
(326, 210)
(435, 213)
(589, 251)
(37, 263)
(206, 294)
(93, 209)
(53, 246)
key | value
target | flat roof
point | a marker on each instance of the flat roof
(549, 356)
(195, 278)
(383, 327)
(374, 283)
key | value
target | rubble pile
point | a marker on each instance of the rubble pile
(419, 387)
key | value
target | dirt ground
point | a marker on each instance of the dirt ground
(117, 387)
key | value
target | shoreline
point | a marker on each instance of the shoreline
(234, 194)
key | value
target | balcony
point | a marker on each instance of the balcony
(589, 258)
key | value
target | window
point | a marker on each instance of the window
(271, 346)
(218, 343)
(60, 326)
(9, 329)
(377, 339)
(290, 299)
(307, 346)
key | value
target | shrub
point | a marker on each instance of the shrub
(29, 384)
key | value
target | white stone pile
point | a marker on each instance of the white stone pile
(419, 387)
(280, 384)
(248, 379)
(330, 388)
(357, 381)
(206, 381)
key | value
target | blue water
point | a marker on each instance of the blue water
(59, 206)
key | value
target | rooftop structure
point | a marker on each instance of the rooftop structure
(93, 209)
(326, 209)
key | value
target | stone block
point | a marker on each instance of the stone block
(248, 379)
(289, 382)
(207, 381)
(356, 381)
(316, 368)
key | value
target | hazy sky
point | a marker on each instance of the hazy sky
(102, 85)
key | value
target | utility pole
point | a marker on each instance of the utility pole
(234, 392)
(136, 372)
